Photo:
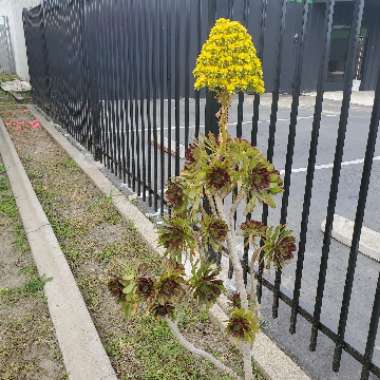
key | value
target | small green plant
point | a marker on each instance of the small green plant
(216, 169)
(32, 287)
(108, 252)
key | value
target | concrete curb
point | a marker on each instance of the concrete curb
(343, 229)
(82, 350)
(269, 358)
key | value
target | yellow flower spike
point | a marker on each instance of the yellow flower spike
(228, 61)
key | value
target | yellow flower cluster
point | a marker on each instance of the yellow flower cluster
(228, 60)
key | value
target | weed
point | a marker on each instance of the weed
(102, 210)
(109, 251)
(63, 229)
(90, 287)
(70, 164)
(33, 287)
(21, 241)
(114, 347)
(7, 202)
(73, 255)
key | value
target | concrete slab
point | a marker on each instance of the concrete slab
(83, 353)
(360, 98)
(343, 229)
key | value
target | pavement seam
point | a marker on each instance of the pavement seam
(83, 353)
(273, 362)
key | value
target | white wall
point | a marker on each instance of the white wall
(13, 9)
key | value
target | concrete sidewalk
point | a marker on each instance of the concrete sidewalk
(359, 98)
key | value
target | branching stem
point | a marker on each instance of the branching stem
(198, 351)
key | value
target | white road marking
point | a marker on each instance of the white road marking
(234, 124)
(331, 165)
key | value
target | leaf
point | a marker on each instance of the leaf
(267, 199)
(129, 288)
(251, 205)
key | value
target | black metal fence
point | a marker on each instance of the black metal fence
(117, 75)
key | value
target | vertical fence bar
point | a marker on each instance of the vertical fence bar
(118, 83)
(128, 105)
(107, 94)
(101, 99)
(239, 132)
(169, 83)
(329, 13)
(154, 93)
(132, 81)
(123, 78)
(372, 333)
(162, 102)
(187, 73)
(211, 122)
(142, 93)
(348, 81)
(107, 88)
(272, 136)
(177, 36)
(255, 120)
(148, 98)
(314, 144)
(137, 85)
(364, 185)
(212, 106)
(296, 92)
(197, 93)
(260, 53)
(112, 88)
(231, 8)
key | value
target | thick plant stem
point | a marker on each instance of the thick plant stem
(231, 244)
(253, 294)
(198, 351)
(224, 100)
(245, 348)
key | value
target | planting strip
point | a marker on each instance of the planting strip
(83, 353)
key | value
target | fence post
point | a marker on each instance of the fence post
(212, 106)
(211, 122)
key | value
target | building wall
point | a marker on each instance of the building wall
(13, 9)
(372, 52)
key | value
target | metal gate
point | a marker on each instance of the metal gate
(7, 61)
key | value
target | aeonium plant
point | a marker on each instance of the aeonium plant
(201, 218)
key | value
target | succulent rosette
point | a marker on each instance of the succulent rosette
(243, 324)
(279, 246)
(205, 284)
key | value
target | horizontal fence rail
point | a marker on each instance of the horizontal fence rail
(117, 74)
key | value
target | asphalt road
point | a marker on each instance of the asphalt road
(319, 363)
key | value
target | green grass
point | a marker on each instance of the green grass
(5, 77)
(102, 210)
(109, 251)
